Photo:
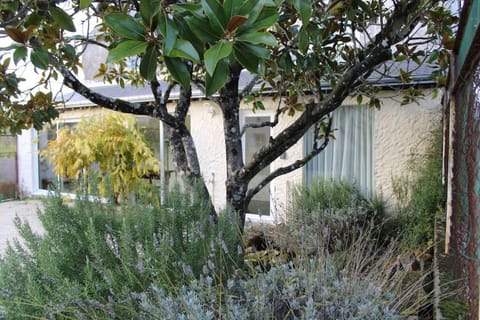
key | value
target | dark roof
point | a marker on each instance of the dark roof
(385, 76)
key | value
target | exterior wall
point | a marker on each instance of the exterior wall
(207, 131)
(400, 132)
(26, 158)
(280, 188)
(211, 152)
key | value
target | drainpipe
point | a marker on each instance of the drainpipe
(162, 164)
(17, 174)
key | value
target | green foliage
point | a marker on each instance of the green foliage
(336, 208)
(422, 195)
(210, 30)
(111, 142)
(97, 261)
(454, 308)
(94, 258)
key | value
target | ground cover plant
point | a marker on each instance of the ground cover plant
(100, 261)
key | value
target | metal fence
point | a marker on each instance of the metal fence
(465, 220)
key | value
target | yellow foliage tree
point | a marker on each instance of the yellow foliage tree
(109, 146)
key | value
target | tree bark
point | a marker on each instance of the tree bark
(236, 187)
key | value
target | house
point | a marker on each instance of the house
(8, 167)
(372, 146)
(462, 160)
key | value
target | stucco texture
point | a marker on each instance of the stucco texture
(400, 132)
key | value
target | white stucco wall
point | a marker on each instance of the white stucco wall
(27, 161)
(399, 131)
(207, 130)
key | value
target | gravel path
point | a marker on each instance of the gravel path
(26, 210)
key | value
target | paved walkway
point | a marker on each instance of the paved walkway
(26, 210)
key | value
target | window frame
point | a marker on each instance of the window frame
(254, 217)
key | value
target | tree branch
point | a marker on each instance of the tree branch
(263, 124)
(160, 108)
(294, 166)
(157, 111)
(403, 19)
(20, 15)
(249, 87)
(201, 85)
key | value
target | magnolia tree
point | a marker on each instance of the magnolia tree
(293, 48)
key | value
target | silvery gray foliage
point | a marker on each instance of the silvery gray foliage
(312, 290)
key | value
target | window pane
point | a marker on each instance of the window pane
(350, 155)
(255, 138)
(46, 175)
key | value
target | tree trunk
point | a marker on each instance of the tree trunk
(230, 105)
(184, 151)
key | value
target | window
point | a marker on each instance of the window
(154, 133)
(47, 179)
(254, 139)
(350, 156)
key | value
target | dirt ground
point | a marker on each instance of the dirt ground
(26, 210)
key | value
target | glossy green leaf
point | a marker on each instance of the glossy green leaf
(33, 19)
(193, 8)
(218, 79)
(258, 51)
(215, 15)
(244, 7)
(149, 10)
(39, 58)
(302, 39)
(266, 18)
(304, 7)
(68, 51)
(264, 38)
(126, 48)
(184, 49)
(170, 35)
(84, 4)
(216, 53)
(246, 57)
(125, 25)
(179, 71)
(148, 65)
(62, 19)
(19, 54)
(228, 6)
(202, 30)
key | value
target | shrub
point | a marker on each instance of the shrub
(421, 196)
(330, 213)
(99, 261)
(354, 285)
(94, 255)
